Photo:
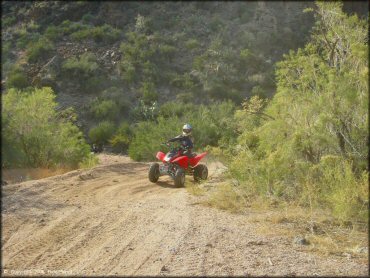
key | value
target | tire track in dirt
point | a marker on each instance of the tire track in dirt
(110, 220)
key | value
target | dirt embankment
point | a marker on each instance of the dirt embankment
(111, 220)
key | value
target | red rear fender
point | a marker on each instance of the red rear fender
(195, 160)
(160, 156)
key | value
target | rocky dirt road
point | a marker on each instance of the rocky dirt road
(111, 220)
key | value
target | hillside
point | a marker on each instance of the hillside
(155, 51)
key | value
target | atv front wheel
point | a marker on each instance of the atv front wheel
(179, 177)
(200, 172)
(154, 172)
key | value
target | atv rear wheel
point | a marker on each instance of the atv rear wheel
(154, 172)
(200, 172)
(179, 177)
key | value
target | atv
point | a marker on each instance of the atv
(177, 165)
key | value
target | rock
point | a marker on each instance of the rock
(300, 240)
(362, 250)
(164, 268)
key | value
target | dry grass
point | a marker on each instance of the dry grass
(325, 236)
(227, 197)
(194, 188)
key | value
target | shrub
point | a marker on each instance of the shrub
(67, 27)
(8, 21)
(306, 144)
(52, 33)
(122, 138)
(90, 161)
(101, 134)
(86, 65)
(104, 33)
(32, 127)
(149, 95)
(17, 78)
(149, 135)
(209, 126)
(87, 18)
(25, 38)
(39, 50)
(104, 110)
(94, 84)
(192, 44)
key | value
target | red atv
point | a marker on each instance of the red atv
(176, 165)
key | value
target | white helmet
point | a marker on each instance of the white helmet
(186, 130)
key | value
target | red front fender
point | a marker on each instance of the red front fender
(160, 156)
(182, 161)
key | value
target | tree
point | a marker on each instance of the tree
(34, 134)
(318, 114)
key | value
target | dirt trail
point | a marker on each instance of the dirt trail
(111, 220)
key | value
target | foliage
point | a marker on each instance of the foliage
(90, 161)
(39, 50)
(192, 44)
(209, 127)
(104, 109)
(33, 134)
(24, 37)
(85, 66)
(143, 55)
(149, 95)
(309, 143)
(101, 133)
(122, 138)
(52, 33)
(67, 27)
(8, 21)
(104, 33)
(17, 78)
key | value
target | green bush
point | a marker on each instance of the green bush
(67, 27)
(17, 78)
(149, 95)
(122, 138)
(52, 33)
(8, 21)
(209, 127)
(104, 109)
(148, 137)
(101, 133)
(90, 161)
(104, 33)
(94, 84)
(39, 50)
(85, 66)
(24, 38)
(192, 44)
(34, 135)
(306, 145)
(87, 18)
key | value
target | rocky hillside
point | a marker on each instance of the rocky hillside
(127, 56)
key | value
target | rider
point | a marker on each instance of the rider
(185, 140)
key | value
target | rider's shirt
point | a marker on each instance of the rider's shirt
(185, 141)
